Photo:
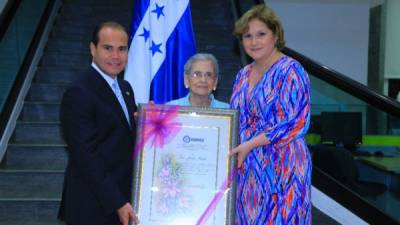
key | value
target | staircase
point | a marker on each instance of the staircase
(213, 26)
(32, 174)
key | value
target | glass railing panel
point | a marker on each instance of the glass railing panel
(16, 41)
(357, 144)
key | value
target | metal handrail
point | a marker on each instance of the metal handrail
(346, 84)
(7, 15)
(13, 104)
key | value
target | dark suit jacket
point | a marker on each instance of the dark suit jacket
(100, 147)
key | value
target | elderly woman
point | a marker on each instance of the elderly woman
(272, 95)
(201, 77)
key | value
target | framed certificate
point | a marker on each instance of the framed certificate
(182, 167)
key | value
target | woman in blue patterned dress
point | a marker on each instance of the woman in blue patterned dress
(273, 97)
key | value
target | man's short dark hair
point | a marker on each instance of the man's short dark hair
(110, 24)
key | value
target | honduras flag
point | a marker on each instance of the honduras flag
(162, 39)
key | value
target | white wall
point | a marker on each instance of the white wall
(392, 37)
(390, 46)
(334, 33)
(2, 4)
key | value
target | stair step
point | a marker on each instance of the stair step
(38, 133)
(210, 22)
(36, 157)
(57, 45)
(84, 30)
(91, 2)
(80, 34)
(65, 34)
(206, 47)
(46, 92)
(64, 31)
(64, 59)
(212, 30)
(29, 211)
(58, 75)
(30, 222)
(40, 111)
(17, 184)
(91, 19)
(86, 9)
(222, 42)
(214, 49)
(74, 21)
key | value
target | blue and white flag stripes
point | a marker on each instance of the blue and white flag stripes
(162, 39)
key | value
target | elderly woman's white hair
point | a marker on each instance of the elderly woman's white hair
(201, 57)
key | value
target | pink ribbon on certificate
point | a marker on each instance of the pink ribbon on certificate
(158, 126)
(217, 197)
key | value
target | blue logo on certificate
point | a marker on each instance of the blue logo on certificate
(188, 139)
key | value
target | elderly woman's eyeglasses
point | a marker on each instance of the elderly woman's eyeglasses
(199, 75)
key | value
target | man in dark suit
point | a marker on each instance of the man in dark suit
(97, 121)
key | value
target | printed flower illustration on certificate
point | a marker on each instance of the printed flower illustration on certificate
(171, 198)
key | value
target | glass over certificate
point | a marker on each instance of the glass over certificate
(182, 166)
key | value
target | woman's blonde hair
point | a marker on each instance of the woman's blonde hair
(266, 15)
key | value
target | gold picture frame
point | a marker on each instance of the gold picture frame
(182, 163)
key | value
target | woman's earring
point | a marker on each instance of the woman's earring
(186, 86)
